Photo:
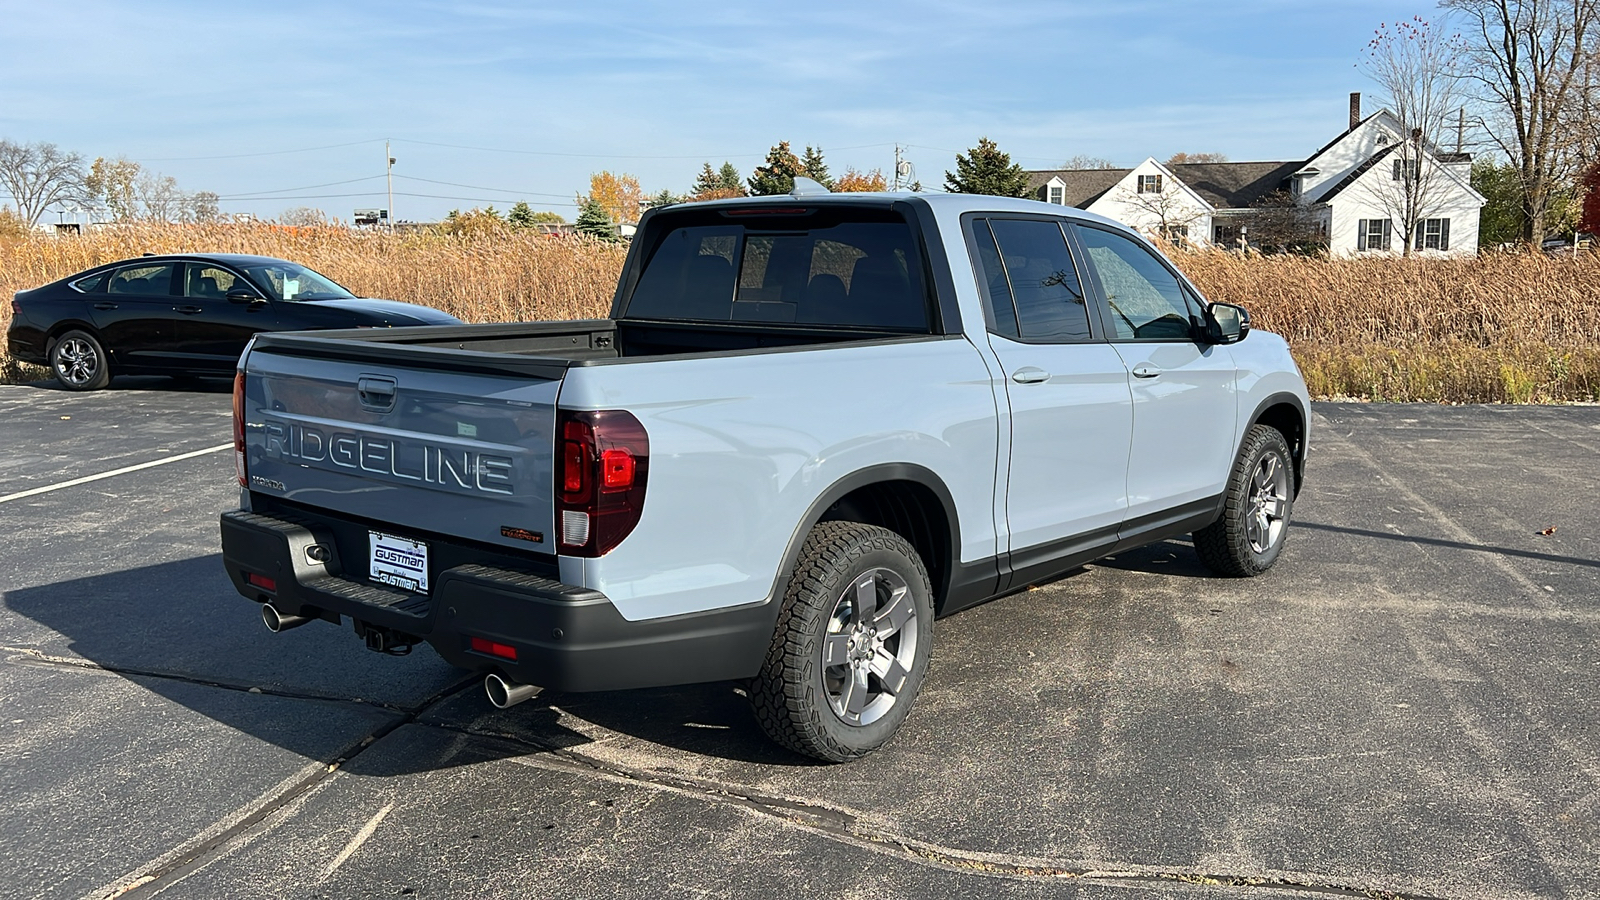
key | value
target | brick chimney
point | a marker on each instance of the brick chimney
(1355, 109)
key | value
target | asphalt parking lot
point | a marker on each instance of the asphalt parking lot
(1405, 706)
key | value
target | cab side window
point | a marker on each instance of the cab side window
(1033, 285)
(149, 281)
(209, 282)
(1144, 299)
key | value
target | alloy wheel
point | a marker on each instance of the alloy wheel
(870, 646)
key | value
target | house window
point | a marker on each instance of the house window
(1433, 234)
(1373, 234)
(1225, 235)
(1149, 184)
(1055, 195)
(1177, 234)
(1401, 166)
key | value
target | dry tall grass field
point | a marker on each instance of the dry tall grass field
(1496, 328)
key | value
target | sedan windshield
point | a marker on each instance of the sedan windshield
(287, 281)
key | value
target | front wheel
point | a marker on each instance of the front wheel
(79, 362)
(851, 646)
(1258, 502)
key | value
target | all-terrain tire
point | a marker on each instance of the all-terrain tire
(1258, 503)
(79, 362)
(811, 695)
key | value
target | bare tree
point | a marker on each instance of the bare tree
(1084, 161)
(1414, 65)
(1180, 158)
(38, 176)
(1168, 213)
(1533, 65)
(202, 206)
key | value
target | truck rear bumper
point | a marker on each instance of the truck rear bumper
(563, 637)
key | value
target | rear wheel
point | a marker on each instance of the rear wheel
(851, 646)
(79, 362)
(1258, 502)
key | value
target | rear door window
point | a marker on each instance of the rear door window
(819, 268)
(91, 284)
(203, 282)
(147, 281)
(1038, 268)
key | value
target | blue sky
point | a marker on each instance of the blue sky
(556, 91)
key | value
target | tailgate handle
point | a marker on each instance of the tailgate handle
(376, 392)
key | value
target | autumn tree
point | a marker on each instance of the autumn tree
(619, 195)
(38, 176)
(1180, 158)
(308, 217)
(856, 182)
(114, 184)
(1531, 64)
(816, 169)
(1589, 219)
(985, 169)
(778, 174)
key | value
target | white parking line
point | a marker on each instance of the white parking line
(114, 472)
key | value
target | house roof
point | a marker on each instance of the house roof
(1223, 185)
(1081, 186)
(1236, 185)
(1356, 173)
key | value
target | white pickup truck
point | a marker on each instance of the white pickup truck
(813, 424)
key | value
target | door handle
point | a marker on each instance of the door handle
(104, 305)
(190, 310)
(1030, 375)
(1145, 370)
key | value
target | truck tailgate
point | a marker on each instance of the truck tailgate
(467, 454)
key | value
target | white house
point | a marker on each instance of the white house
(1355, 195)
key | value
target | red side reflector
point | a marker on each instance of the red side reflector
(484, 645)
(616, 469)
(261, 581)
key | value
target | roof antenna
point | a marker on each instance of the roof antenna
(805, 187)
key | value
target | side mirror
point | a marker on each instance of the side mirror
(1227, 323)
(240, 295)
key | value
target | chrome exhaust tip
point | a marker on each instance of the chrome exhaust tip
(277, 622)
(506, 694)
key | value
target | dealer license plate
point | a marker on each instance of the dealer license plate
(399, 561)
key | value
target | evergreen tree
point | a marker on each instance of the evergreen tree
(521, 215)
(731, 180)
(717, 184)
(816, 169)
(594, 221)
(706, 182)
(987, 170)
(777, 176)
(664, 199)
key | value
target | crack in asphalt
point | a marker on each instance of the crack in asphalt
(201, 850)
(30, 655)
(829, 822)
(843, 825)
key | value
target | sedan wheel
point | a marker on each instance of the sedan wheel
(79, 362)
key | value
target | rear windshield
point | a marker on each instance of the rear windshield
(852, 267)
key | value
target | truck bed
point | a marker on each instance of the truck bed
(546, 349)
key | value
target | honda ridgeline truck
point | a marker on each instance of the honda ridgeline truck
(812, 424)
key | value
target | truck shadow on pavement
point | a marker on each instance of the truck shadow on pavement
(172, 626)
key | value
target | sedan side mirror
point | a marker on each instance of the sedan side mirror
(240, 295)
(1227, 323)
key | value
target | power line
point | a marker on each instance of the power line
(249, 155)
(500, 199)
(699, 156)
(479, 187)
(251, 195)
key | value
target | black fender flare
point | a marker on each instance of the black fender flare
(856, 480)
(1282, 398)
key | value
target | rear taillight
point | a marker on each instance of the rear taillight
(238, 427)
(602, 460)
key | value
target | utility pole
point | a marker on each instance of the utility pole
(389, 176)
(897, 165)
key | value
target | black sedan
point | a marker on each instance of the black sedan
(182, 315)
